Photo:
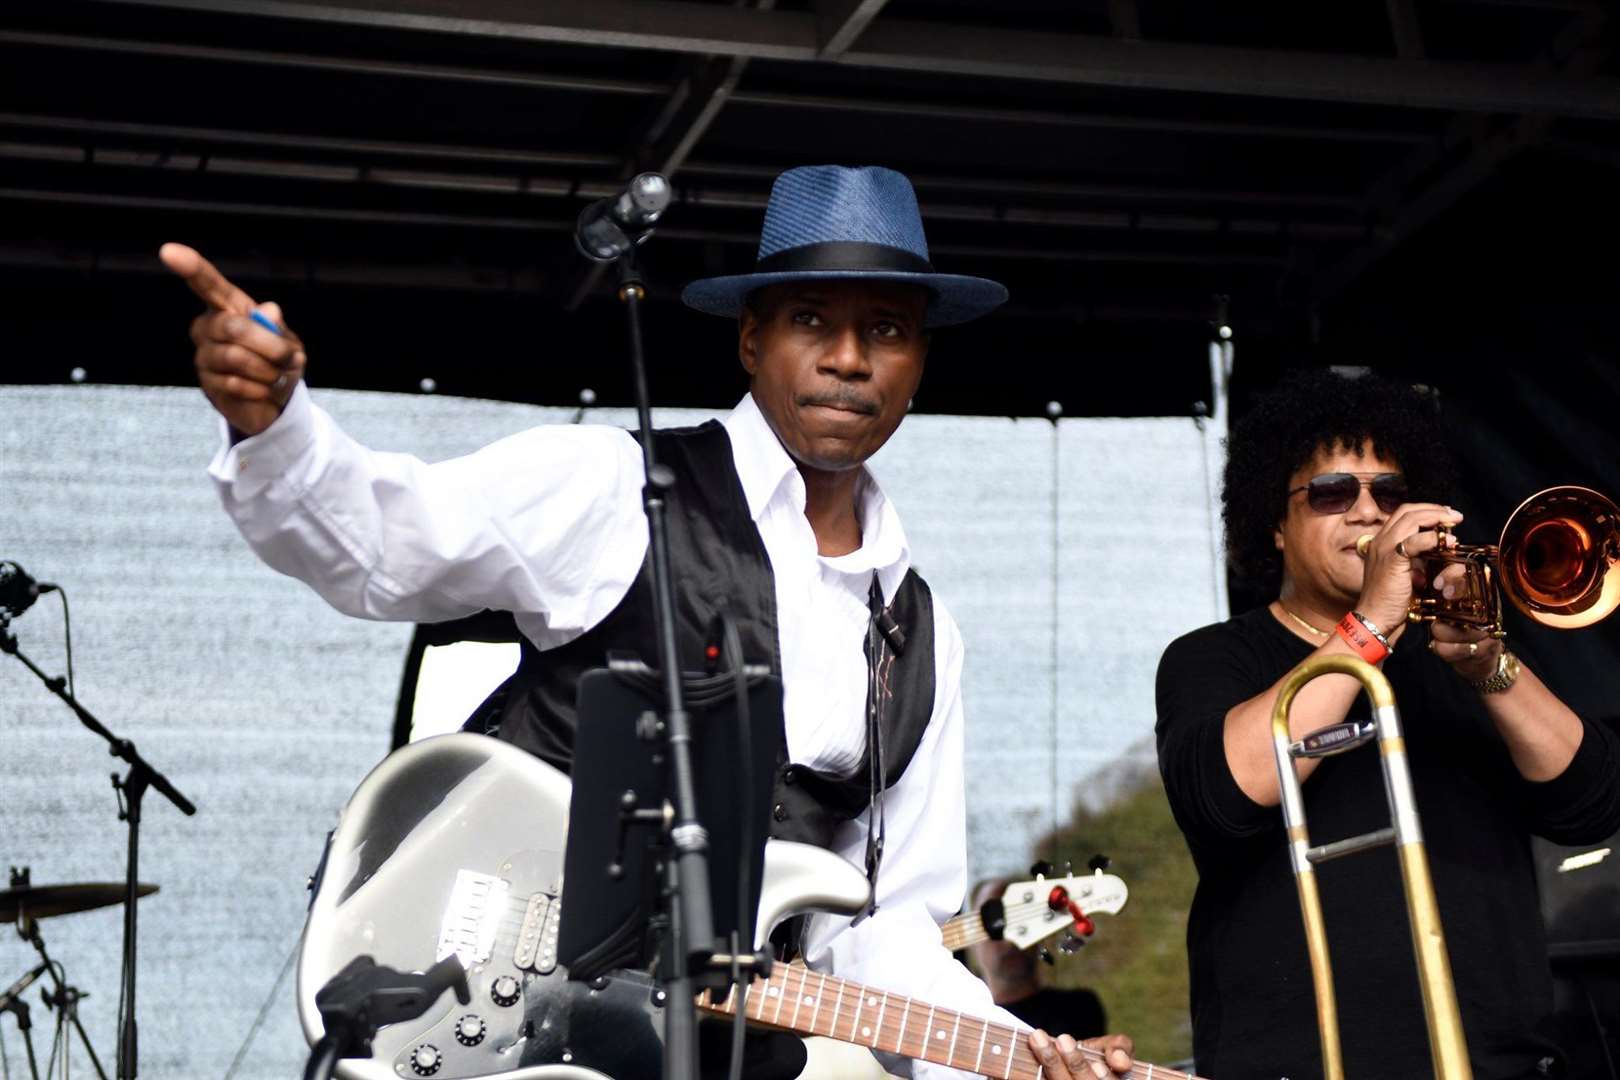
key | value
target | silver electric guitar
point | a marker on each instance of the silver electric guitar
(454, 846)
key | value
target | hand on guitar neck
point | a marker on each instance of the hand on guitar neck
(794, 998)
(1063, 1058)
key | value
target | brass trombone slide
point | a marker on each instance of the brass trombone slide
(1447, 1047)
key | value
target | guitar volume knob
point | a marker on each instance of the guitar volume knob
(505, 991)
(426, 1059)
(470, 1030)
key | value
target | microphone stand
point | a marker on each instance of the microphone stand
(689, 944)
(130, 790)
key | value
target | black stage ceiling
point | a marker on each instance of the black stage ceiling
(403, 175)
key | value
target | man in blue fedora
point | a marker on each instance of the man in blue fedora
(774, 520)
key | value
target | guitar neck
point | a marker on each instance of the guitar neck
(964, 930)
(807, 1002)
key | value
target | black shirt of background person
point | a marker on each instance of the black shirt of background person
(1078, 1012)
(1252, 1003)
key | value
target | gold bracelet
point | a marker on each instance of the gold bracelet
(1505, 675)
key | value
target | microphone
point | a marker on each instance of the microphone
(18, 591)
(609, 228)
(15, 990)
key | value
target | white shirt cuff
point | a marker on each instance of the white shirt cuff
(248, 466)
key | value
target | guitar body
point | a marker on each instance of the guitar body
(454, 845)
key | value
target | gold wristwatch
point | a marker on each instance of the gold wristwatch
(1505, 675)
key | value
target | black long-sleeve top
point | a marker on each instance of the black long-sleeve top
(1252, 1005)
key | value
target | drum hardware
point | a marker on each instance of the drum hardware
(130, 789)
(25, 904)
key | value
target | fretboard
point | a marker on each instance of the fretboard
(797, 999)
(964, 930)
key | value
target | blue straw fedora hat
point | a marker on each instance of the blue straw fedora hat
(832, 222)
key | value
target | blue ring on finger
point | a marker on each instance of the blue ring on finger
(265, 321)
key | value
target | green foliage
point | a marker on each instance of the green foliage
(1137, 960)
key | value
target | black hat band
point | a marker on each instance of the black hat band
(843, 255)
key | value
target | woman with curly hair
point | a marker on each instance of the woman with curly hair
(1494, 755)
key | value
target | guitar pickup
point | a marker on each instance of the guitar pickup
(537, 937)
(472, 917)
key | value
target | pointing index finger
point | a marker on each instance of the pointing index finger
(204, 279)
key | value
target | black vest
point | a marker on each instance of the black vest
(720, 565)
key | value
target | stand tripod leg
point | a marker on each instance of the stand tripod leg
(26, 1026)
(73, 1017)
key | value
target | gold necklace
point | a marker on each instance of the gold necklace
(1302, 622)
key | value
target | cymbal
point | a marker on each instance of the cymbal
(41, 901)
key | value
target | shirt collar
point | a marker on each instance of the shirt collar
(769, 475)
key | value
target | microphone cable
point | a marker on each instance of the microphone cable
(743, 936)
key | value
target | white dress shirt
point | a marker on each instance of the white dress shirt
(548, 524)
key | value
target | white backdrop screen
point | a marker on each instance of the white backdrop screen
(1088, 544)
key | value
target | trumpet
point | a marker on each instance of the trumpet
(1558, 561)
(1447, 1046)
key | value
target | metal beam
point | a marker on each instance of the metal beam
(973, 51)
(1257, 129)
(270, 140)
(1070, 217)
(765, 99)
(348, 65)
(840, 22)
(201, 140)
(282, 211)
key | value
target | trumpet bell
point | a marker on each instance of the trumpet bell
(1559, 557)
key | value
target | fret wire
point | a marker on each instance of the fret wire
(838, 1009)
(928, 1033)
(900, 1044)
(799, 999)
(1006, 1035)
(761, 994)
(883, 1006)
(956, 1033)
(821, 995)
(984, 1030)
(781, 999)
(860, 1003)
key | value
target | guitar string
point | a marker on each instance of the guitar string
(1015, 1038)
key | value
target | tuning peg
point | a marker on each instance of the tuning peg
(1099, 863)
(1040, 869)
(1045, 954)
(1071, 944)
(1068, 868)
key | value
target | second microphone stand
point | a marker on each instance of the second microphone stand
(131, 788)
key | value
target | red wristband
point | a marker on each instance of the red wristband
(1361, 639)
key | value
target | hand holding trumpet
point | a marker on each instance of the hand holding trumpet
(1391, 576)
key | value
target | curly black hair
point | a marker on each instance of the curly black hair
(1322, 410)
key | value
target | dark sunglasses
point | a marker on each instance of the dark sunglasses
(1334, 493)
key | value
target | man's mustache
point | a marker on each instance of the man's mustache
(851, 402)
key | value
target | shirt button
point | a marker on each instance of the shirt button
(790, 775)
(779, 812)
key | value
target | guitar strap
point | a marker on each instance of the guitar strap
(880, 630)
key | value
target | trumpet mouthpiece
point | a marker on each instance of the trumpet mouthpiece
(1364, 544)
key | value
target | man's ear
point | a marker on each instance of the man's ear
(1277, 538)
(748, 341)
